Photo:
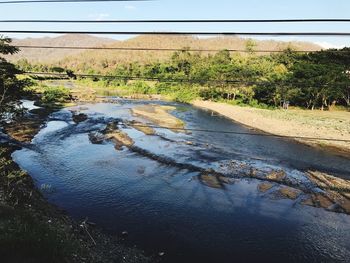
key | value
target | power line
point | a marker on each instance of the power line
(177, 33)
(66, 1)
(328, 20)
(171, 80)
(165, 49)
(197, 130)
(121, 77)
(238, 133)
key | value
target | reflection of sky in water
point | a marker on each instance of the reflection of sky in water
(168, 209)
(29, 104)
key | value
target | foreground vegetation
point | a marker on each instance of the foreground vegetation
(26, 234)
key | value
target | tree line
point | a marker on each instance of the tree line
(310, 80)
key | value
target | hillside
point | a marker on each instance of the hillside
(102, 58)
(54, 55)
(109, 58)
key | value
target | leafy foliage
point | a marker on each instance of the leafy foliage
(11, 88)
(55, 94)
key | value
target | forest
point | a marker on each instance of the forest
(313, 80)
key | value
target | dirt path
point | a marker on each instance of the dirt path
(318, 124)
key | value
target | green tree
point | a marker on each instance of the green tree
(11, 89)
(250, 46)
(183, 61)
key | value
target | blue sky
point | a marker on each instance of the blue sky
(188, 9)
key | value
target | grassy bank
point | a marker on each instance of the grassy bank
(31, 231)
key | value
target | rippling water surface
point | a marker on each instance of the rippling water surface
(168, 209)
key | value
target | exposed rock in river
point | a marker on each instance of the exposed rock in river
(96, 137)
(211, 180)
(120, 138)
(318, 200)
(111, 132)
(77, 118)
(336, 190)
(264, 187)
(289, 192)
(160, 116)
(111, 127)
(142, 127)
(276, 175)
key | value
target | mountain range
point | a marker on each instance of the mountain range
(74, 58)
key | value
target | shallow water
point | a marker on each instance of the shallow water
(168, 209)
(29, 105)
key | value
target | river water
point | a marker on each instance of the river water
(167, 209)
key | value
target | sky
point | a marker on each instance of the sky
(187, 9)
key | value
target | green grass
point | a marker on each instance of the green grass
(26, 234)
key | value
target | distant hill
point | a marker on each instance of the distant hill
(99, 59)
(54, 55)
(80, 59)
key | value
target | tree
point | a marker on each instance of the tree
(322, 77)
(250, 46)
(339, 63)
(11, 89)
(182, 60)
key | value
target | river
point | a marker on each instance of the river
(165, 208)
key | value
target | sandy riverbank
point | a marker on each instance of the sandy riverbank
(300, 123)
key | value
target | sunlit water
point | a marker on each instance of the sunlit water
(165, 209)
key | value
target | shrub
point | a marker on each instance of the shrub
(55, 94)
(141, 87)
(183, 94)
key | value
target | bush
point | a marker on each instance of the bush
(55, 94)
(141, 87)
(183, 94)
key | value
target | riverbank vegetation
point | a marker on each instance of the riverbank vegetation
(25, 233)
(312, 80)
